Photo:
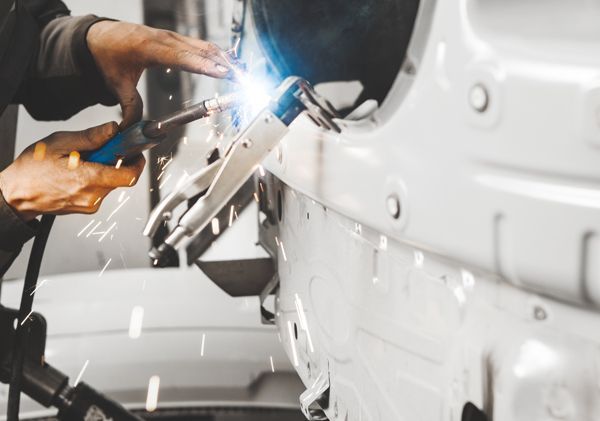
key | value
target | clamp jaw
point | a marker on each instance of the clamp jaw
(224, 177)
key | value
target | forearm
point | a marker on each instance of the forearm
(63, 78)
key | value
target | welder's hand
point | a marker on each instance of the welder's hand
(46, 178)
(123, 50)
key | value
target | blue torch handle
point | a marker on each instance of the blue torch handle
(125, 145)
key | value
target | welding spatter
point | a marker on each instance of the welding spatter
(224, 177)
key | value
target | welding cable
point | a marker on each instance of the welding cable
(22, 328)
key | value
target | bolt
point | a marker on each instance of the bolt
(247, 143)
(268, 118)
(393, 206)
(539, 313)
(479, 98)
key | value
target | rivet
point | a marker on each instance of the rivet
(539, 313)
(393, 206)
(268, 118)
(247, 143)
(479, 98)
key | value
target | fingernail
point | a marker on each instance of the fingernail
(222, 68)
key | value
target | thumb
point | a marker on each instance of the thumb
(131, 105)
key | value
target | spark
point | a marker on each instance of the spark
(38, 286)
(132, 181)
(185, 140)
(85, 228)
(120, 199)
(168, 162)
(107, 231)
(277, 241)
(255, 197)
(117, 208)
(73, 162)
(160, 175)
(383, 242)
(303, 322)
(104, 268)
(236, 214)
(93, 229)
(170, 97)
(262, 189)
(468, 279)
(419, 258)
(294, 352)
(210, 136)
(135, 322)
(168, 70)
(231, 212)
(80, 375)
(283, 251)
(39, 151)
(119, 163)
(202, 345)
(155, 262)
(26, 318)
(164, 181)
(261, 170)
(272, 365)
(152, 396)
(97, 200)
(215, 226)
(159, 125)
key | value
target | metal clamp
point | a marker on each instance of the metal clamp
(193, 186)
(293, 97)
(315, 400)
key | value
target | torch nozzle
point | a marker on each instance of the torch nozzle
(157, 128)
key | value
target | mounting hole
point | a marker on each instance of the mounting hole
(296, 331)
(307, 215)
(279, 206)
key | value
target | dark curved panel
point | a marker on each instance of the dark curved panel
(332, 40)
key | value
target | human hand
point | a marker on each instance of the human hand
(122, 51)
(47, 177)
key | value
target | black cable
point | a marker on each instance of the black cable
(22, 329)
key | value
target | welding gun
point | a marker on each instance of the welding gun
(147, 134)
(224, 177)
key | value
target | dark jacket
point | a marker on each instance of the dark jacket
(45, 65)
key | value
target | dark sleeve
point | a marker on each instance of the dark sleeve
(14, 232)
(63, 78)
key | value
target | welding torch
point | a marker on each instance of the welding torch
(146, 134)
